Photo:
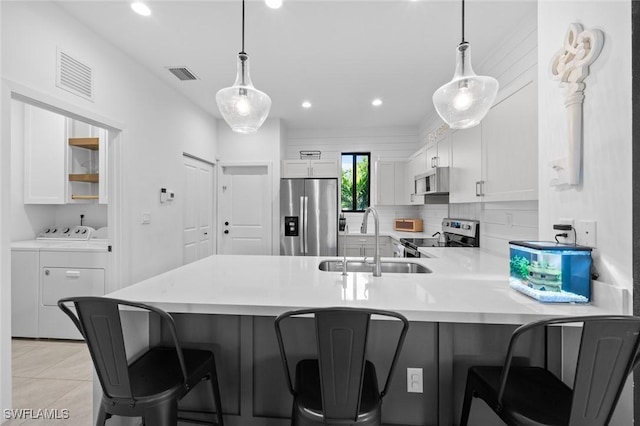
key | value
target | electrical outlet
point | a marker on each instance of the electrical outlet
(414, 380)
(570, 239)
(586, 231)
(146, 218)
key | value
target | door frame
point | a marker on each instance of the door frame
(275, 206)
(214, 208)
(118, 264)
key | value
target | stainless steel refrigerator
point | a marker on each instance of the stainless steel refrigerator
(309, 217)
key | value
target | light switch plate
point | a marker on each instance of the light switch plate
(146, 218)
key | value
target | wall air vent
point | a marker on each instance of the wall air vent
(183, 73)
(74, 76)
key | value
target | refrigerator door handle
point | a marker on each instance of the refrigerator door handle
(301, 225)
(305, 225)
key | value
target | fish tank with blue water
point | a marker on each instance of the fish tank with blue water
(551, 272)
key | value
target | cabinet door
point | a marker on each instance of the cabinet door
(510, 143)
(24, 293)
(323, 168)
(401, 192)
(431, 156)
(415, 166)
(466, 165)
(295, 168)
(385, 182)
(443, 158)
(44, 156)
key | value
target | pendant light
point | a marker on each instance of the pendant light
(466, 99)
(242, 106)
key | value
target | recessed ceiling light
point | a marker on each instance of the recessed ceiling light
(376, 102)
(273, 4)
(140, 8)
(306, 104)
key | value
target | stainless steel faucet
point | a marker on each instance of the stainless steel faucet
(344, 250)
(377, 267)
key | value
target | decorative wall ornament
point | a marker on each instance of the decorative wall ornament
(570, 66)
(437, 133)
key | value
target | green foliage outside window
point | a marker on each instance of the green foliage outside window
(355, 181)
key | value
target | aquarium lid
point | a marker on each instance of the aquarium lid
(549, 245)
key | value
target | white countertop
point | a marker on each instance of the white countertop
(60, 245)
(466, 285)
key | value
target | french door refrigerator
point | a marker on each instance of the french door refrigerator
(309, 217)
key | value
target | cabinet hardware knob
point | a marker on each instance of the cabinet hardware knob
(226, 231)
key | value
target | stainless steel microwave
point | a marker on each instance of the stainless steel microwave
(435, 181)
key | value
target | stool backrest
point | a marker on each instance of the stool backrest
(341, 335)
(608, 350)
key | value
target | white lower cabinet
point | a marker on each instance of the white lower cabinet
(498, 159)
(39, 278)
(363, 246)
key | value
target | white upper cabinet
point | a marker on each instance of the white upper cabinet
(391, 187)
(65, 160)
(416, 165)
(497, 160)
(510, 144)
(310, 168)
(438, 153)
(465, 173)
(44, 156)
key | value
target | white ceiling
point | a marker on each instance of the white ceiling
(337, 54)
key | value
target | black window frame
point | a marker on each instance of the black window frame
(354, 156)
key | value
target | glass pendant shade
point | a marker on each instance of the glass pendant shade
(242, 106)
(466, 99)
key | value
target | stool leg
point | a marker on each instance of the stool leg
(102, 416)
(216, 392)
(466, 405)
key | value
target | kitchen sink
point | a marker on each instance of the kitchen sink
(387, 267)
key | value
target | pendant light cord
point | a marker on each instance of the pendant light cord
(243, 26)
(462, 20)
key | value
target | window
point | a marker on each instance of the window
(355, 181)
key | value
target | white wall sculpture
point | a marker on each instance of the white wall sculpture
(570, 66)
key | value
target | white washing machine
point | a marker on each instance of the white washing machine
(60, 262)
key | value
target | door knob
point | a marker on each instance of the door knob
(226, 231)
(226, 224)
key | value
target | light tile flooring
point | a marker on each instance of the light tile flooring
(55, 375)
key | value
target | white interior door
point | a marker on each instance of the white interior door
(245, 209)
(198, 210)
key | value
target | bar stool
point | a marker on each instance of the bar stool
(524, 395)
(340, 385)
(151, 386)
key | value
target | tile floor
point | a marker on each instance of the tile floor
(52, 374)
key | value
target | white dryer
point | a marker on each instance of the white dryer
(60, 262)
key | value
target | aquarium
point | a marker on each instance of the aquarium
(551, 272)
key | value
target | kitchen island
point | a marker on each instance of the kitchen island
(461, 313)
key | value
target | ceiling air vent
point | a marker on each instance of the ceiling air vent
(183, 73)
(74, 76)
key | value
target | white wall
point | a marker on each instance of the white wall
(393, 143)
(605, 192)
(5, 259)
(263, 147)
(159, 124)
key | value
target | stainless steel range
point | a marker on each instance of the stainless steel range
(455, 233)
